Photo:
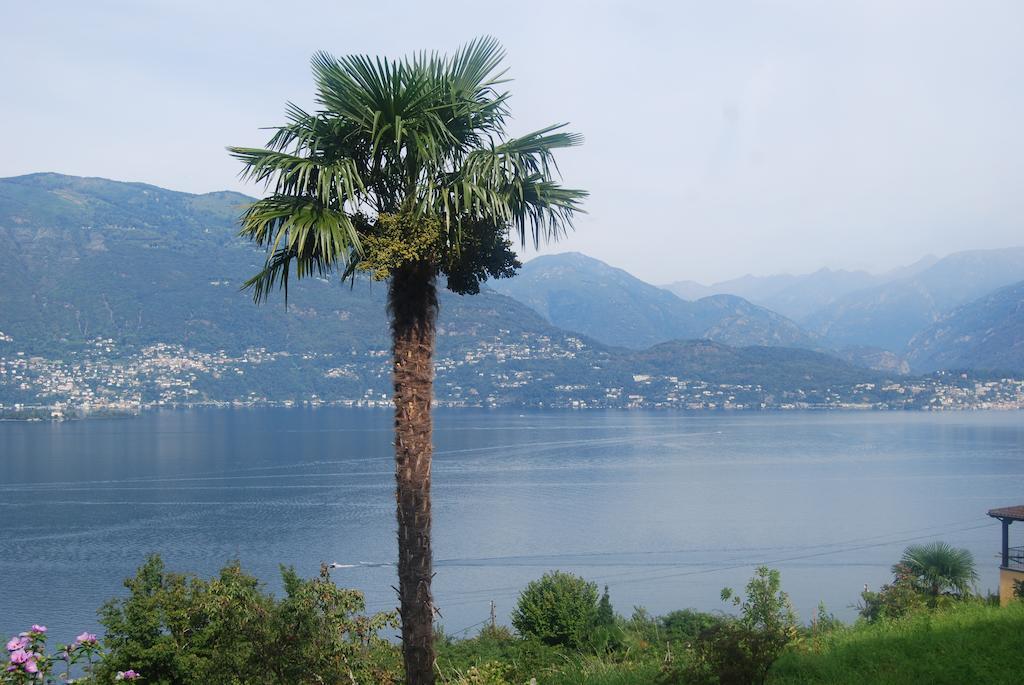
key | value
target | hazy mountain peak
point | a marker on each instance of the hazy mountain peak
(890, 314)
(584, 294)
(986, 334)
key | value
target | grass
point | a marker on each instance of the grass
(572, 670)
(497, 657)
(962, 644)
(973, 643)
(597, 672)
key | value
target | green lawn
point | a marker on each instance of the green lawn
(961, 646)
(971, 644)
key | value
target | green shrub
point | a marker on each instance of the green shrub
(687, 625)
(607, 635)
(900, 597)
(524, 658)
(739, 651)
(487, 673)
(939, 568)
(183, 630)
(557, 609)
(605, 616)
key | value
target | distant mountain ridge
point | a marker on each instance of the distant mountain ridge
(986, 334)
(114, 290)
(873, 317)
(94, 258)
(580, 293)
(91, 260)
(798, 296)
(889, 315)
(793, 296)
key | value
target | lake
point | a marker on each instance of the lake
(664, 508)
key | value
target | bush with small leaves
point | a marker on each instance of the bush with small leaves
(557, 609)
(900, 597)
(185, 630)
(739, 651)
(687, 625)
(489, 673)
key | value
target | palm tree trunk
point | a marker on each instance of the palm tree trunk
(412, 301)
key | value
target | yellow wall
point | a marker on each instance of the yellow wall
(1006, 578)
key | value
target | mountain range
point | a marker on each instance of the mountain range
(580, 293)
(798, 296)
(113, 290)
(856, 309)
(91, 260)
(877, 322)
(889, 315)
(987, 333)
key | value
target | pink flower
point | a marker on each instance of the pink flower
(17, 643)
(38, 628)
(30, 666)
(130, 674)
(86, 639)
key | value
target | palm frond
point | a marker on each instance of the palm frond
(316, 238)
(424, 134)
(333, 183)
(512, 183)
(941, 566)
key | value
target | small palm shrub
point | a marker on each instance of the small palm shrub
(930, 576)
(939, 568)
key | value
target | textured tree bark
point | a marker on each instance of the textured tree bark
(412, 301)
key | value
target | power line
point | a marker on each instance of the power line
(797, 557)
(468, 628)
(470, 597)
(944, 528)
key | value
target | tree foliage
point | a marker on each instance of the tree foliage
(182, 629)
(557, 609)
(940, 568)
(687, 625)
(405, 161)
(900, 597)
(927, 576)
(739, 651)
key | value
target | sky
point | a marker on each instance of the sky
(722, 138)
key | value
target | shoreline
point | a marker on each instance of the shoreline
(45, 413)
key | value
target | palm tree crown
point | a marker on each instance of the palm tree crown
(422, 138)
(940, 567)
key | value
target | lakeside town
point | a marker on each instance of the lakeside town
(102, 380)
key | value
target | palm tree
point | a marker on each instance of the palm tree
(939, 568)
(406, 172)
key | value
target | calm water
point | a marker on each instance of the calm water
(665, 508)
